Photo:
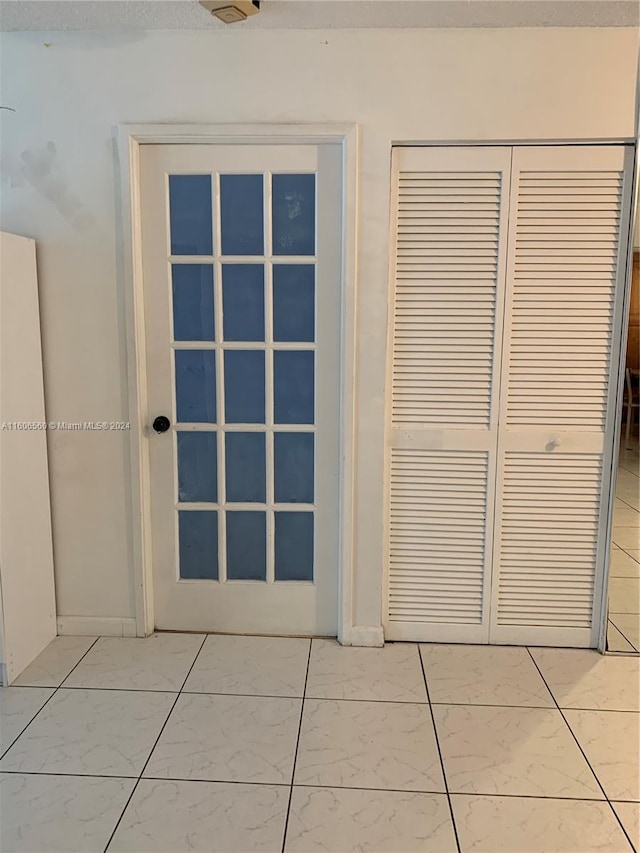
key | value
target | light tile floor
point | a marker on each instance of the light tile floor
(623, 634)
(236, 744)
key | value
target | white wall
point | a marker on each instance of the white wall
(69, 90)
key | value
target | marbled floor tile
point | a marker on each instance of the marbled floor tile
(388, 745)
(583, 678)
(610, 740)
(483, 675)
(624, 595)
(73, 814)
(629, 494)
(616, 642)
(626, 479)
(629, 625)
(18, 706)
(101, 732)
(55, 662)
(536, 825)
(623, 565)
(519, 751)
(253, 666)
(335, 820)
(228, 739)
(626, 537)
(158, 662)
(629, 814)
(202, 817)
(625, 516)
(392, 673)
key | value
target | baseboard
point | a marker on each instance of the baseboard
(363, 635)
(97, 626)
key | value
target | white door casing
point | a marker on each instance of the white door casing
(225, 604)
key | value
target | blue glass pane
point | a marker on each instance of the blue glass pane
(294, 546)
(195, 386)
(192, 302)
(247, 546)
(242, 214)
(190, 214)
(197, 467)
(198, 544)
(294, 302)
(294, 214)
(243, 302)
(246, 467)
(293, 387)
(244, 386)
(293, 467)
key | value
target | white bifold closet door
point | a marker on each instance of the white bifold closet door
(450, 268)
(504, 342)
(566, 265)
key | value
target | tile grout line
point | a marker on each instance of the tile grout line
(623, 466)
(437, 739)
(155, 743)
(295, 755)
(625, 503)
(627, 552)
(620, 631)
(584, 755)
(626, 548)
(55, 690)
(337, 699)
(489, 794)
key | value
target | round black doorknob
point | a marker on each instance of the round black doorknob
(161, 423)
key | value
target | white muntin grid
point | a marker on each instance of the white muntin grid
(219, 346)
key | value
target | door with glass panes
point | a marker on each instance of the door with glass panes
(241, 253)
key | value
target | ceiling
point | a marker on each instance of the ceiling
(119, 15)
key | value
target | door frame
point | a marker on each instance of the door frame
(620, 342)
(630, 202)
(128, 141)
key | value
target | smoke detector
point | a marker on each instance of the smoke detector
(231, 11)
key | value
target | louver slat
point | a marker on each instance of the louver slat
(563, 298)
(445, 300)
(437, 544)
(548, 560)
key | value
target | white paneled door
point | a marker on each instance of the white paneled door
(241, 253)
(508, 283)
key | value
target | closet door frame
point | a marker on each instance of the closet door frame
(630, 201)
(630, 198)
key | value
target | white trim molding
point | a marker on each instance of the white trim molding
(364, 635)
(97, 626)
(128, 139)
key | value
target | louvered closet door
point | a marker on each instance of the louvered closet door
(562, 330)
(449, 210)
